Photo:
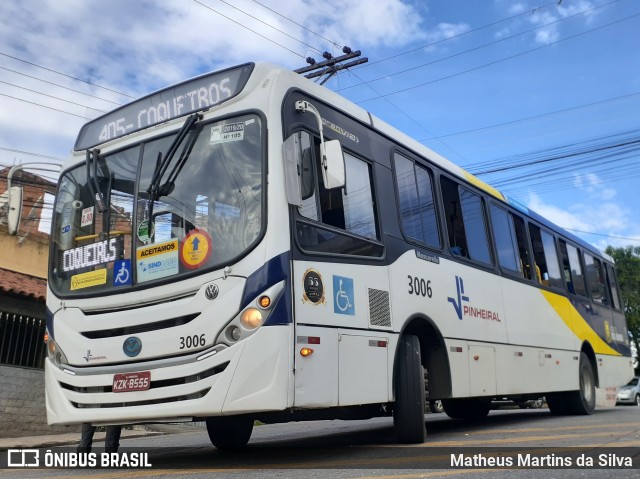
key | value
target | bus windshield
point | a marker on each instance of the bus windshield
(129, 217)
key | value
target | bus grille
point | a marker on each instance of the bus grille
(379, 312)
(154, 385)
(140, 328)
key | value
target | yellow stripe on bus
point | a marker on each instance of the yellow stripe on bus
(576, 323)
(483, 186)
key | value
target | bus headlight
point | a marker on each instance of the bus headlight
(254, 315)
(251, 318)
(54, 352)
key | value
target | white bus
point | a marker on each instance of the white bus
(248, 245)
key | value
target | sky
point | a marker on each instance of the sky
(538, 98)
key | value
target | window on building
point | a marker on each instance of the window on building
(417, 208)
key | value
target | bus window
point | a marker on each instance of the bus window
(613, 288)
(545, 258)
(523, 245)
(572, 269)
(595, 279)
(417, 208)
(465, 222)
(504, 236)
(350, 209)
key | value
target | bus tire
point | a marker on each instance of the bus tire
(229, 432)
(583, 401)
(580, 402)
(467, 408)
(409, 407)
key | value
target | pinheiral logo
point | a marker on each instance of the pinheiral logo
(132, 346)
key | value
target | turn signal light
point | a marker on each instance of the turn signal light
(264, 301)
(304, 352)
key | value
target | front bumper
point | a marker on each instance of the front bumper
(253, 375)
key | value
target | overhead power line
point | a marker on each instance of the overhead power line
(50, 96)
(59, 86)
(44, 106)
(64, 74)
(247, 28)
(270, 26)
(495, 42)
(510, 57)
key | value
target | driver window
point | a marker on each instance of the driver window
(350, 209)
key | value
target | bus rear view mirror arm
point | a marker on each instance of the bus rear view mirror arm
(333, 171)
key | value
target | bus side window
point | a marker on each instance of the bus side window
(350, 209)
(577, 276)
(613, 287)
(504, 236)
(417, 207)
(596, 279)
(523, 246)
(466, 224)
(545, 257)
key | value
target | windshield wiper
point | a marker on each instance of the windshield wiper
(103, 203)
(156, 190)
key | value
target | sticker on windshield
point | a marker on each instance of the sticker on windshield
(145, 231)
(122, 272)
(195, 249)
(87, 216)
(91, 278)
(157, 261)
(226, 133)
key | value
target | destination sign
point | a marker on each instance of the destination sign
(180, 100)
(91, 254)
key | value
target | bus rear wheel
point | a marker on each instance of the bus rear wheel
(409, 407)
(229, 432)
(580, 402)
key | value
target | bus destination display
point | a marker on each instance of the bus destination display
(180, 100)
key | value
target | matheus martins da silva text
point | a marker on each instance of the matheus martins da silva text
(547, 460)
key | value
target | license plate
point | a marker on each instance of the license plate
(140, 381)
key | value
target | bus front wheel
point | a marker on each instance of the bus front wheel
(409, 407)
(229, 432)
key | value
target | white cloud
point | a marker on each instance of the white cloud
(138, 47)
(556, 215)
(593, 185)
(548, 18)
(591, 215)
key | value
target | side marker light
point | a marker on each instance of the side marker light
(304, 352)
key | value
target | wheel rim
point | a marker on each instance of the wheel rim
(587, 384)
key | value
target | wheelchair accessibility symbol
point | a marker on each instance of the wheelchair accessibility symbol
(122, 272)
(343, 302)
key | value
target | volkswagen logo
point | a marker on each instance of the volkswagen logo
(211, 292)
(132, 346)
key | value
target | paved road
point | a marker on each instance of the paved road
(366, 450)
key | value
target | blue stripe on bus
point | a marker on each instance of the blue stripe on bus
(273, 271)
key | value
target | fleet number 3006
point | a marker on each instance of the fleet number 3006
(188, 342)
(419, 286)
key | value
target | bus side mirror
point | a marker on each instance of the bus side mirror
(291, 153)
(11, 209)
(333, 173)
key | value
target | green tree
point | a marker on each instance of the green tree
(628, 273)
